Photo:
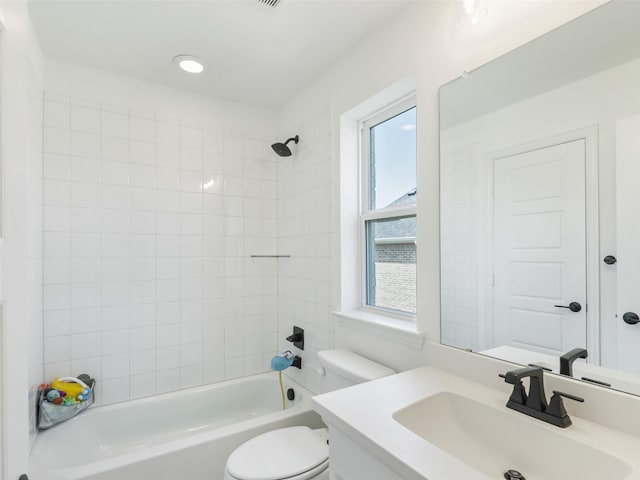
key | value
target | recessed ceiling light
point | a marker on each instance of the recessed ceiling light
(189, 63)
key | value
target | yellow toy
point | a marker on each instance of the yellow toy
(71, 385)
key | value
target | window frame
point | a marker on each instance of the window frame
(366, 212)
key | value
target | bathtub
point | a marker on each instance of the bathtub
(181, 435)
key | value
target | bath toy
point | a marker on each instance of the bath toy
(57, 400)
(52, 395)
(72, 386)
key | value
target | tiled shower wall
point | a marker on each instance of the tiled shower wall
(306, 232)
(149, 224)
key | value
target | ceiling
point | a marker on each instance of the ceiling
(254, 54)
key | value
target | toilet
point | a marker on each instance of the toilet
(301, 453)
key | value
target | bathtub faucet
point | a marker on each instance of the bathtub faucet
(285, 360)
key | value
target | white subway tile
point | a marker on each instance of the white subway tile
(56, 166)
(212, 183)
(57, 297)
(115, 149)
(143, 152)
(167, 133)
(57, 322)
(143, 269)
(85, 195)
(191, 246)
(56, 270)
(143, 338)
(85, 245)
(57, 219)
(167, 156)
(85, 144)
(115, 245)
(233, 145)
(168, 358)
(191, 376)
(167, 201)
(143, 361)
(191, 224)
(143, 245)
(85, 295)
(191, 181)
(115, 269)
(85, 320)
(115, 293)
(57, 140)
(114, 317)
(168, 245)
(167, 335)
(233, 186)
(191, 311)
(116, 197)
(143, 292)
(168, 178)
(115, 173)
(56, 369)
(85, 119)
(115, 221)
(142, 176)
(143, 222)
(115, 390)
(143, 199)
(56, 114)
(212, 141)
(142, 385)
(143, 315)
(213, 204)
(114, 366)
(212, 162)
(115, 124)
(233, 166)
(142, 129)
(190, 159)
(56, 192)
(191, 202)
(168, 290)
(56, 349)
(115, 341)
(213, 372)
(168, 380)
(85, 345)
(87, 220)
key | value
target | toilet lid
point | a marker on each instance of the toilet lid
(278, 454)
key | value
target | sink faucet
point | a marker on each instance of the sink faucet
(566, 360)
(534, 403)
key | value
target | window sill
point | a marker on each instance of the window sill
(390, 328)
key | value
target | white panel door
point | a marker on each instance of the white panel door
(539, 249)
(628, 240)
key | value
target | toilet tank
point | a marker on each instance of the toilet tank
(344, 368)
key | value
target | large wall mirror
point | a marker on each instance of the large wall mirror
(540, 202)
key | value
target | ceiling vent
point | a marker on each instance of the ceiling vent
(269, 3)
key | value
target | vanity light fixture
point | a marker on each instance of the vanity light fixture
(189, 63)
(472, 12)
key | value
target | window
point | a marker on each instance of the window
(388, 213)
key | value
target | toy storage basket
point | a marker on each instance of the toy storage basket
(50, 414)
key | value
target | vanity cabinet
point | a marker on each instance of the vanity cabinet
(350, 461)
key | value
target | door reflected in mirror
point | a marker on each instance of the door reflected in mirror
(540, 158)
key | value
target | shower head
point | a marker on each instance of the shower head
(282, 149)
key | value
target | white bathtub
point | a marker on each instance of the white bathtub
(181, 435)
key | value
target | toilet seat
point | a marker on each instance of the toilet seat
(294, 453)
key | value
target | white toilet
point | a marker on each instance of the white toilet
(300, 453)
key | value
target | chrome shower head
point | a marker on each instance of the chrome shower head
(282, 149)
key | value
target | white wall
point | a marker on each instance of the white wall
(154, 201)
(20, 248)
(597, 101)
(424, 41)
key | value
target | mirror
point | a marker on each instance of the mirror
(540, 158)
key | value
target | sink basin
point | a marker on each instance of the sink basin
(493, 441)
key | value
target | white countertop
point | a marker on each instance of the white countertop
(364, 412)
